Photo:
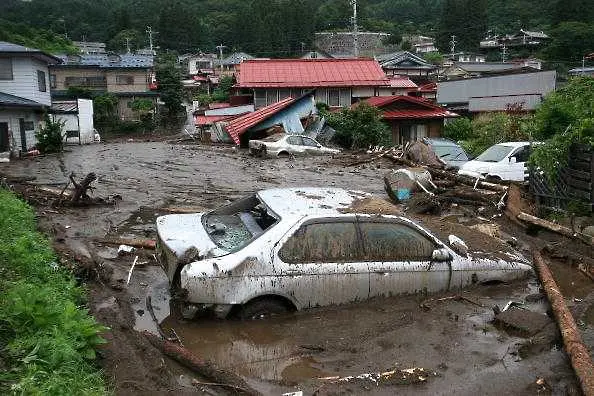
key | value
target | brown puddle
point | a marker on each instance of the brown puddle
(256, 349)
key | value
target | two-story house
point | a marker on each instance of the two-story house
(127, 76)
(336, 82)
(24, 95)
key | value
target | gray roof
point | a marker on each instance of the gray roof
(579, 70)
(234, 59)
(108, 61)
(17, 49)
(513, 85)
(485, 67)
(395, 58)
(17, 101)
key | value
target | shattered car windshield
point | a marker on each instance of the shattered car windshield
(234, 226)
(450, 153)
(495, 153)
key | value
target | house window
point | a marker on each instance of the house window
(271, 96)
(41, 83)
(53, 82)
(5, 69)
(283, 93)
(89, 82)
(259, 98)
(124, 80)
(29, 126)
(333, 97)
(345, 97)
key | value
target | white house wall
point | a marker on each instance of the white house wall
(85, 121)
(24, 82)
(14, 132)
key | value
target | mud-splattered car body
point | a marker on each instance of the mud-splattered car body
(284, 145)
(304, 247)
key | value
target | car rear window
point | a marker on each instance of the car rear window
(394, 242)
(273, 138)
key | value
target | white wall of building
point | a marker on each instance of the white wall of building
(24, 81)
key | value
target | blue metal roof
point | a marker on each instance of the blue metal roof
(17, 101)
(108, 61)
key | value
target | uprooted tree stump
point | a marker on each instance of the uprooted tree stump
(80, 190)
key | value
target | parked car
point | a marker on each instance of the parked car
(503, 161)
(295, 248)
(448, 151)
(283, 145)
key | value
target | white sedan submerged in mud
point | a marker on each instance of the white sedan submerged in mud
(295, 248)
(283, 145)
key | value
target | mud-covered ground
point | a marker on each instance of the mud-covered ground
(453, 344)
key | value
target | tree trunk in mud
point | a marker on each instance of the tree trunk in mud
(201, 367)
(80, 190)
(555, 228)
(575, 348)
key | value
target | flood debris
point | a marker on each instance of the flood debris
(426, 304)
(200, 366)
(574, 346)
(521, 322)
(414, 375)
(133, 242)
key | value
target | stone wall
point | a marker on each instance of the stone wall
(342, 43)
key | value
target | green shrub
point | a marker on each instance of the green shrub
(47, 341)
(359, 127)
(50, 138)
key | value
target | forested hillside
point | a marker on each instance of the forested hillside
(284, 27)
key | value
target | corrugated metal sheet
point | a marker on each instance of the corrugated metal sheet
(204, 120)
(107, 61)
(500, 103)
(424, 109)
(274, 73)
(64, 107)
(461, 91)
(239, 125)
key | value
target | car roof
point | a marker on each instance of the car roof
(299, 202)
(515, 144)
(441, 141)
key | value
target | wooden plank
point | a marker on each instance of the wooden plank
(555, 228)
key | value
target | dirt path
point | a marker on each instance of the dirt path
(455, 342)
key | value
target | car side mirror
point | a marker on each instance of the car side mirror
(512, 160)
(441, 254)
(318, 145)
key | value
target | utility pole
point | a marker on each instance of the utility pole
(150, 32)
(355, 28)
(128, 45)
(503, 52)
(220, 48)
(453, 43)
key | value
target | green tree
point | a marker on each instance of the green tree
(119, 42)
(223, 90)
(359, 127)
(169, 84)
(465, 19)
(105, 106)
(433, 57)
(570, 41)
(565, 117)
(50, 138)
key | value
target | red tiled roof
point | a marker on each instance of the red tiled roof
(430, 87)
(203, 120)
(408, 114)
(304, 73)
(239, 125)
(425, 109)
(402, 82)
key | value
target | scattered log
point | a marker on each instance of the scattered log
(135, 242)
(555, 228)
(575, 348)
(201, 367)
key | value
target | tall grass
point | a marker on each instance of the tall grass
(47, 338)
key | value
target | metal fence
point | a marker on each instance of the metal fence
(575, 182)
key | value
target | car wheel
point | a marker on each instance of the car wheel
(494, 179)
(283, 154)
(262, 309)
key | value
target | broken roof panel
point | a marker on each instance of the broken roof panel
(241, 124)
(307, 73)
(424, 108)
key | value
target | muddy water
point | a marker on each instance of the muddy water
(454, 339)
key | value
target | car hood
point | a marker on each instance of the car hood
(476, 168)
(184, 237)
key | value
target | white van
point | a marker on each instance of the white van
(503, 161)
